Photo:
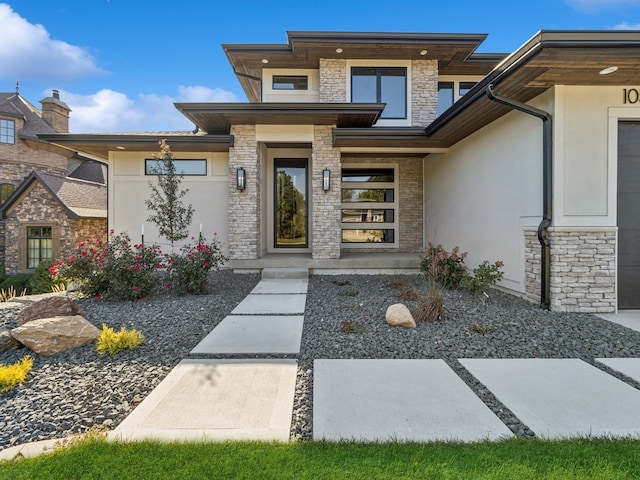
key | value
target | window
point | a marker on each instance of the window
(7, 131)
(381, 85)
(290, 82)
(368, 209)
(465, 87)
(197, 167)
(39, 246)
(6, 189)
(445, 96)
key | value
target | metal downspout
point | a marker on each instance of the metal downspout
(547, 188)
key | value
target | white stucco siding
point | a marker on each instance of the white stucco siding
(129, 188)
(486, 190)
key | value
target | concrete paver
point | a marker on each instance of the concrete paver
(281, 285)
(287, 304)
(253, 334)
(217, 400)
(629, 366)
(406, 400)
(626, 318)
(561, 397)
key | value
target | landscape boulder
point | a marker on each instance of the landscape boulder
(398, 315)
(47, 336)
(57, 306)
(7, 342)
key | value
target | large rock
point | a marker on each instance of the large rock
(398, 315)
(47, 336)
(7, 342)
(48, 308)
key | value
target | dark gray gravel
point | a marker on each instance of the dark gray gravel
(70, 392)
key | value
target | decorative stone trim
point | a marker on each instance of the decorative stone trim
(533, 257)
(424, 94)
(244, 210)
(333, 80)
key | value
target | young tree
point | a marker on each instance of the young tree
(167, 209)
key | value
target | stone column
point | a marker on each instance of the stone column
(244, 206)
(325, 215)
(424, 95)
(333, 80)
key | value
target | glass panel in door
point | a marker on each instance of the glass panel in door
(290, 203)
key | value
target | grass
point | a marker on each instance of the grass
(602, 459)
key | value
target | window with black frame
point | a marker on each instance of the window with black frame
(381, 85)
(39, 245)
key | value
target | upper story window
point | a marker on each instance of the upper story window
(6, 189)
(464, 87)
(447, 95)
(183, 167)
(7, 131)
(290, 82)
(381, 85)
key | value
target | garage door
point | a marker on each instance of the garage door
(629, 215)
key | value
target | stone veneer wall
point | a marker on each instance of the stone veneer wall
(410, 202)
(326, 205)
(333, 74)
(244, 206)
(424, 95)
(533, 257)
(583, 269)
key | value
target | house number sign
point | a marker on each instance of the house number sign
(631, 95)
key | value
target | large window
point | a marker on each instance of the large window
(368, 209)
(381, 85)
(39, 246)
(7, 131)
(183, 167)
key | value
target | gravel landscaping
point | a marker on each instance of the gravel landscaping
(70, 392)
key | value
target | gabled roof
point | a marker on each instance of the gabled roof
(13, 104)
(91, 171)
(80, 198)
(453, 51)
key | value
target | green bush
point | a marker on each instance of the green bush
(19, 282)
(3, 275)
(484, 276)
(444, 268)
(42, 281)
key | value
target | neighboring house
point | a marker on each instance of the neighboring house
(51, 197)
(361, 146)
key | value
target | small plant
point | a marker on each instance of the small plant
(444, 268)
(341, 283)
(13, 375)
(19, 283)
(113, 342)
(431, 308)
(6, 295)
(348, 293)
(477, 328)
(349, 326)
(41, 281)
(409, 293)
(484, 276)
(395, 283)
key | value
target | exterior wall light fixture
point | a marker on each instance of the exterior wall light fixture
(241, 179)
(326, 179)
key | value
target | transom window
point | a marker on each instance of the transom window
(185, 167)
(7, 131)
(290, 82)
(6, 189)
(381, 85)
(39, 246)
(369, 206)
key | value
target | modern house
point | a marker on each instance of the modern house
(356, 149)
(51, 197)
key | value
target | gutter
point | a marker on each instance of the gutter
(547, 188)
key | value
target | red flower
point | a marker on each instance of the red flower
(136, 289)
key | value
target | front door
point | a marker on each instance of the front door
(290, 209)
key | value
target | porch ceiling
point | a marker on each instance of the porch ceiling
(217, 118)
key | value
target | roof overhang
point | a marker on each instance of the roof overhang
(548, 59)
(385, 140)
(454, 53)
(99, 145)
(217, 118)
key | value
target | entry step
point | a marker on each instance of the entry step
(288, 273)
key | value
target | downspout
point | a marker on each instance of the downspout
(547, 188)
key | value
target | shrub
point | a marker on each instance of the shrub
(9, 293)
(431, 308)
(484, 276)
(188, 271)
(20, 283)
(3, 274)
(42, 281)
(113, 342)
(444, 268)
(13, 375)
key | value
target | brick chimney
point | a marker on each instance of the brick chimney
(55, 112)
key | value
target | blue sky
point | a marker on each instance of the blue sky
(120, 64)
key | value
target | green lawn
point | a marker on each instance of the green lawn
(600, 459)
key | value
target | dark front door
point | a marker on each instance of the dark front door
(290, 214)
(629, 215)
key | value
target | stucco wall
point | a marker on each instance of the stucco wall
(129, 187)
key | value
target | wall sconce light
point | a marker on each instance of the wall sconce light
(326, 179)
(241, 179)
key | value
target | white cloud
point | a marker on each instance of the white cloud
(627, 26)
(28, 51)
(111, 111)
(592, 6)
